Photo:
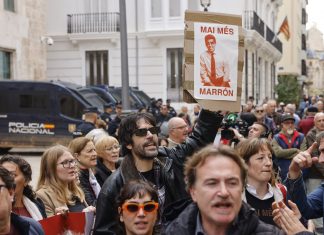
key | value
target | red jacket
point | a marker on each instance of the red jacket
(306, 124)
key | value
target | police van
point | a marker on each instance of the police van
(38, 114)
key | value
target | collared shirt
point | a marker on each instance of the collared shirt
(252, 190)
(222, 68)
(199, 227)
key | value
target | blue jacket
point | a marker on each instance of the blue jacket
(26, 226)
(283, 142)
(311, 206)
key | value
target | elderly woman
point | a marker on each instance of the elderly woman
(57, 184)
(107, 148)
(85, 153)
(261, 189)
(137, 208)
(26, 202)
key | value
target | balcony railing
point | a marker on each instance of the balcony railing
(93, 22)
(253, 21)
(272, 39)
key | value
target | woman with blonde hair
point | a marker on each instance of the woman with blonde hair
(57, 185)
(83, 150)
(107, 148)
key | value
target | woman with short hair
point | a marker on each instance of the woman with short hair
(262, 188)
(26, 202)
(57, 184)
(107, 148)
(138, 208)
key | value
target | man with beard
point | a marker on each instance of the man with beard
(287, 144)
(143, 159)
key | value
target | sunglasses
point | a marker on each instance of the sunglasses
(133, 207)
(259, 111)
(143, 131)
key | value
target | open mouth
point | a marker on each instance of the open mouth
(223, 205)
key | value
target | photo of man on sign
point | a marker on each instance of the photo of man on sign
(215, 61)
(213, 72)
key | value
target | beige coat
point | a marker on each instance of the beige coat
(49, 200)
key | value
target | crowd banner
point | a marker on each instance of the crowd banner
(72, 223)
(214, 58)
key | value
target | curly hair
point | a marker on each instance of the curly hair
(128, 125)
(25, 169)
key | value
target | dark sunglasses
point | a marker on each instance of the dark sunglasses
(143, 131)
(259, 111)
(134, 207)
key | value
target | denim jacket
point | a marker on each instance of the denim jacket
(311, 206)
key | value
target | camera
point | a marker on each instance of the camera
(233, 120)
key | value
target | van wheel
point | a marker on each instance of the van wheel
(4, 150)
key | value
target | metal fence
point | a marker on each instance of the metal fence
(93, 22)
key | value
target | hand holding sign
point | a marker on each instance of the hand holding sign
(302, 160)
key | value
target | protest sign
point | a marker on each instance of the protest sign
(214, 49)
(72, 223)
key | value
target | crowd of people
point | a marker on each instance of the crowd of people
(159, 172)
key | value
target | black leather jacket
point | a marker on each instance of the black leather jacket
(171, 161)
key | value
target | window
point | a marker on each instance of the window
(246, 74)
(34, 102)
(9, 5)
(5, 64)
(174, 8)
(70, 107)
(174, 74)
(97, 68)
(156, 8)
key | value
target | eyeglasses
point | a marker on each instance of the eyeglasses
(259, 111)
(143, 131)
(68, 163)
(180, 127)
(116, 147)
(134, 207)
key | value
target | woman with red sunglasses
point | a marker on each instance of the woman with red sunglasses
(138, 208)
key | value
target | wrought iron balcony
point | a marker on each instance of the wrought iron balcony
(254, 22)
(273, 39)
(93, 22)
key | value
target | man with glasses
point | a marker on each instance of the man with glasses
(178, 131)
(143, 159)
(261, 116)
(10, 222)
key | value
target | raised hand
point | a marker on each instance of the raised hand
(302, 160)
(287, 219)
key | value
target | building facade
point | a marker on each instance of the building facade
(22, 54)
(293, 61)
(86, 46)
(315, 62)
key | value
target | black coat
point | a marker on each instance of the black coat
(102, 172)
(89, 194)
(247, 223)
(171, 161)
